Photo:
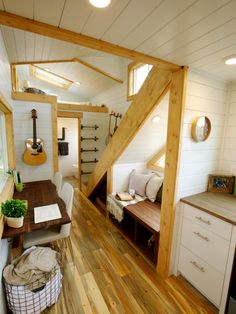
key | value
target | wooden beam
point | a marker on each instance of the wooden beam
(4, 104)
(54, 135)
(33, 97)
(151, 93)
(10, 141)
(13, 78)
(6, 194)
(69, 114)
(175, 118)
(55, 32)
(82, 107)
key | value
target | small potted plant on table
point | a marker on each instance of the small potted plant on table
(14, 210)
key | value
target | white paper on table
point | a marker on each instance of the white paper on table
(46, 213)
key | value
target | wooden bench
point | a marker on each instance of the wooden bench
(146, 217)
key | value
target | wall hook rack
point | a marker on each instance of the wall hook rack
(85, 172)
(95, 138)
(88, 161)
(89, 150)
(89, 127)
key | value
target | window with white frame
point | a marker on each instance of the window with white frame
(3, 151)
(137, 73)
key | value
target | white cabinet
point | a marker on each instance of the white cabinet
(204, 250)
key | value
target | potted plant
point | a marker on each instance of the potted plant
(14, 210)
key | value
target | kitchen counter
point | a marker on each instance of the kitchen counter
(221, 205)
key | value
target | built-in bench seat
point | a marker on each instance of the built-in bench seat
(141, 224)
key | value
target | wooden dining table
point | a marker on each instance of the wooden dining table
(38, 193)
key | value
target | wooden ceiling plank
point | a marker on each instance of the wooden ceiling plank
(43, 11)
(22, 7)
(192, 16)
(20, 22)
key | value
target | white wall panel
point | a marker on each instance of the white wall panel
(228, 157)
(22, 120)
(71, 136)
(5, 87)
(121, 173)
(198, 159)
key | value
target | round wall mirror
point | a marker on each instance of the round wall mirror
(201, 129)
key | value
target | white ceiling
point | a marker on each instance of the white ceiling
(198, 33)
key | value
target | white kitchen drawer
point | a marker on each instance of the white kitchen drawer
(205, 278)
(210, 222)
(205, 244)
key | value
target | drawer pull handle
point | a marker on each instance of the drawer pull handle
(203, 220)
(201, 236)
(202, 269)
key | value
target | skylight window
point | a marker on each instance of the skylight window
(47, 76)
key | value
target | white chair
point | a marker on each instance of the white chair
(62, 233)
(57, 181)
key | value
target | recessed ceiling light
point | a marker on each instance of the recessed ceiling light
(231, 60)
(77, 83)
(156, 119)
(100, 3)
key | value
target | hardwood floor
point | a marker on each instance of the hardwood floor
(109, 275)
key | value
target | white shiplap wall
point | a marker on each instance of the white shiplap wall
(205, 96)
(89, 119)
(150, 138)
(5, 88)
(23, 129)
(5, 74)
(228, 156)
(116, 97)
(71, 136)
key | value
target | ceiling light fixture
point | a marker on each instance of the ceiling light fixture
(231, 60)
(156, 119)
(100, 3)
(77, 83)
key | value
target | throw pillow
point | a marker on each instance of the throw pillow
(138, 182)
(153, 187)
(159, 194)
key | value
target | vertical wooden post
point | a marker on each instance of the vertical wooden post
(109, 184)
(14, 84)
(54, 135)
(79, 154)
(175, 118)
(10, 141)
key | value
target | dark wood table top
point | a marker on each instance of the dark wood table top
(39, 193)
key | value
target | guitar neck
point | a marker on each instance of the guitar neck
(34, 133)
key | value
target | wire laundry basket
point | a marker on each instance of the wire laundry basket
(35, 298)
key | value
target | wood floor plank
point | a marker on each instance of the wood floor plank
(111, 276)
(94, 294)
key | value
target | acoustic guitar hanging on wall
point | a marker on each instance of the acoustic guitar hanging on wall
(34, 154)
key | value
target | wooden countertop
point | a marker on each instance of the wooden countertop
(220, 205)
